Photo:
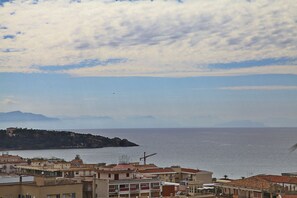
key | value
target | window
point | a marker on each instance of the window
(134, 186)
(155, 185)
(127, 175)
(124, 187)
(113, 188)
(257, 194)
(144, 186)
(235, 192)
(68, 195)
(109, 175)
(53, 196)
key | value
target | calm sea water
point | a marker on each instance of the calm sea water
(234, 152)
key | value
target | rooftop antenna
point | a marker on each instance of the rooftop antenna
(146, 156)
(124, 159)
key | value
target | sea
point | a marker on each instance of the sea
(235, 152)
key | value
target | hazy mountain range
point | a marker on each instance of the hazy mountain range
(18, 116)
(29, 120)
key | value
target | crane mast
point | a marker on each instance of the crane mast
(146, 156)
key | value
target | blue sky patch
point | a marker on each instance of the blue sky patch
(83, 64)
(9, 36)
(3, 1)
(252, 63)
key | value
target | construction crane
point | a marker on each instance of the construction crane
(146, 156)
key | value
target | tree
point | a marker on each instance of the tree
(77, 157)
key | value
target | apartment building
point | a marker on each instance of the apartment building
(261, 186)
(56, 170)
(42, 187)
(8, 163)
(124, 180)
(130, 188)
(190, 181)
(164, 174)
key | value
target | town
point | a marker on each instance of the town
(57, 178)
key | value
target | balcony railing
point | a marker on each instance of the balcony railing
(124, 189)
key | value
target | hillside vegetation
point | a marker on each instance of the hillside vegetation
(26, 139)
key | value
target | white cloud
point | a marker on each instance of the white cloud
(9, 101)
(260, 88)
(160, 38)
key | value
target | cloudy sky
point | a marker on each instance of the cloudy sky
(161, 63)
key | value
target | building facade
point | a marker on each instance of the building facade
(261, 186)
(131, 188)
(9, 163)
(42, 187)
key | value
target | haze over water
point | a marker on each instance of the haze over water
(235, 152)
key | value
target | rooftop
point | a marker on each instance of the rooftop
(189, 170)
(51, 169)
(251, 182)
(128, 181)
(279, 179)
(262, 181)
(158, 170)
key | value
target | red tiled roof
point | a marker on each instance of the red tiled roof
(145, 166)
(38, 160)
(76, 161)
(251, 182)
(61, 162)
(289, 196)
(158, 170)
(15, 162)
(190, 170)
(113, 171)
(262, 181)
(279, 179)
(124, 167)
(6, 156)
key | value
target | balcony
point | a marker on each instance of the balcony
(134, 190)
(124, 189)
(113, 191)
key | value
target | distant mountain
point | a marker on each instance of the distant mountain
(24, 139)
(18, 116)
(86, 117)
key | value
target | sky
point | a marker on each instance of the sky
(161, 63)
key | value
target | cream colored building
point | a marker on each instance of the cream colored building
(123, 180)
(42, 188)
(8, 163)
(164, 174)
(190, 180)
(56, 170)
(131, 188)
